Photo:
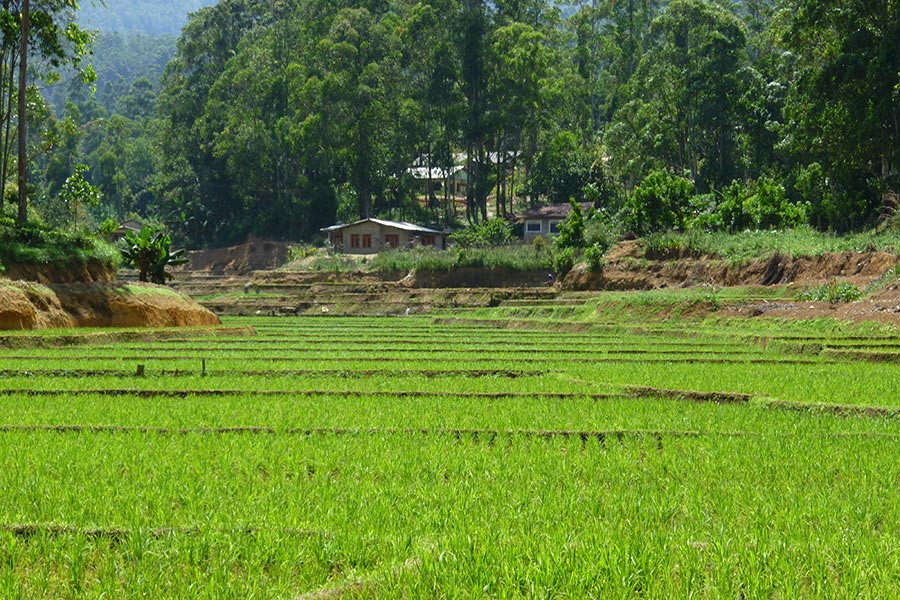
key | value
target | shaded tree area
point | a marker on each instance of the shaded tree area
(104, 125)
(39, 38)
(275, 119)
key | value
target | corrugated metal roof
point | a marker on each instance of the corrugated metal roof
(385, 223)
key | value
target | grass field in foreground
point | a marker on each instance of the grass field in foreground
(418, 457)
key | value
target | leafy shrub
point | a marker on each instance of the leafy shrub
(599, 232)
(299, 252)
(594, 256)
(833, 292)
(704, 214)
(107, 229)
(762, 204)
(563, 261)
(659, 203)
(834, 204)
(571, 231)
(493, 232)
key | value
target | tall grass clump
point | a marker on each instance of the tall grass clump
(514, 257)
(749, 245)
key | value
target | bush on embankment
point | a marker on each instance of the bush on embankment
(43, 254)
(513, 258)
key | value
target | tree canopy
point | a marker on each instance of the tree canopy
(278, 118)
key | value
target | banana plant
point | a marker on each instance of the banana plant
(150, 253)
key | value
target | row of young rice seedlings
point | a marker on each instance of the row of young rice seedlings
(394, 572)
(800, 380)
(425, 516)
(853, 383)
(277, 382)
(473, 358)
(495, 372)
(721, 329)
(869, 384)
(373, 342)
(400, 414)
(546, 355)
(25, 366)
(422, 331)
(444, 335)
(399, 349)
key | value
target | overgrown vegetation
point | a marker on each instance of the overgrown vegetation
(515, 258)
(37, 244)
(833, 292)
(747, 245)
(493, 232)
(682, 115)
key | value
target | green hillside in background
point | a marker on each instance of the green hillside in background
(153, 17)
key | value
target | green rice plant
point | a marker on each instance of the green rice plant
(465, 455)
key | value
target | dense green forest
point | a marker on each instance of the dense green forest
(277, 118)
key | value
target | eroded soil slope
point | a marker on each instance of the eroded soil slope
(29, 305)
(627, 268)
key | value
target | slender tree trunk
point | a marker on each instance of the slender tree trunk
(4, 118)
(498, 197)
(470, 189)
(23, 82)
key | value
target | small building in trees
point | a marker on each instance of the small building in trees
(370, 236)
(131, 225)
(454, 180)
(544, 220)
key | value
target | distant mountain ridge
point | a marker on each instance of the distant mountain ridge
(152, 17)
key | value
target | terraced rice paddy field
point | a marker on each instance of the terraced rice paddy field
(460, 457)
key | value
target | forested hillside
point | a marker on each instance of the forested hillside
(275, 119)
(151, 17)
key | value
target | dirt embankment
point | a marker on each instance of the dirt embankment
(238, 260)
(627, 268)
(473, 277)
(881, 307)
(30, 305)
